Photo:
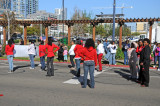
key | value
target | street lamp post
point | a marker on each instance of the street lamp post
(63, 18)
(114, 10)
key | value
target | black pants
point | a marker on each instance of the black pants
(71, 59)
(140, 74)
(50, 67)
(145, 76)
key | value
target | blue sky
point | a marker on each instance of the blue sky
(141, 8)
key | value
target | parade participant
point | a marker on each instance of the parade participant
(72, 54)
(65, 54)
(107, 51)
(100, 51)
(132, 61)
(42, 53)
(113, 49)
(89, 55)
(50, 56)
(145, 63)
(77, 50)
(32, 53)
(9, 52)
(157, 54)
(124, 49)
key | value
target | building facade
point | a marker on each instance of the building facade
(24, 7)
(59, 13)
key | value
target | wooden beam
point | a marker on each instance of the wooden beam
(25, 34)
(46, 33)
(94, 33)
(120, 35)
(4, 35)
(150, 30)
(69, 35)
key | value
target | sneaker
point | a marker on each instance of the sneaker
(32, 68)
(10, 72)
(154, 66)
(39, 65)
(158, 69)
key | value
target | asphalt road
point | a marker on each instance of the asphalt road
(27, 87)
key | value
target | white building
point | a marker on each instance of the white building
(59, 13)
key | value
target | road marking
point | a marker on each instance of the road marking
(76, 80)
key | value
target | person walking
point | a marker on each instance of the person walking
(72, 54)
(155, 54)
(145, 63)
(78, 50)
(100, 51)
(113, 49)
(42, 54)
(50, 56)
(89, 55)
(124, 49)
(32, 53)
(9, 52)
(132, 61)
(107, 51)
(65, 54)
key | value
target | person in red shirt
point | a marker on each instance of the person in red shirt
(42, 54)
(9, 52)
(78, 50)
(89, 55)
(50, 56)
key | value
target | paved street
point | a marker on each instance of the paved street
(27, 87)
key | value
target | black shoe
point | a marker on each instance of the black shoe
(78, 75)
(99, 70)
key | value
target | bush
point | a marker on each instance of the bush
(16, 41)
(119, 54)
(3, 49)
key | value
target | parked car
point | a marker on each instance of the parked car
(16, 36)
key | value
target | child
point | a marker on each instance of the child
(65, 53)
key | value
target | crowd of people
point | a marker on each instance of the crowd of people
(136, 55)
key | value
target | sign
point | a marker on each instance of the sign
(22, 51)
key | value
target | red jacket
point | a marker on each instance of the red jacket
(9, 50)
(78, 51)
(50, 49)
(89, 54)
(42, 50)
(138, 50)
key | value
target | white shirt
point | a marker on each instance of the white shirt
(154, 48)
(31, 49)
(71, 50)
(113, 48)
(100, 49)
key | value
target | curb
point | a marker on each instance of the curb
(120, 66)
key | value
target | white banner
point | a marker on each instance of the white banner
(22, 51)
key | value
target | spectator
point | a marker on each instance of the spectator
(100, 51)
(124, 49)
(60, 53)
(90, 61)
(9, 52)
(65, 54)
(155, 54)
(42, 53)
(113, 49)
(78, 50)
(32, 53)
(107, 51)
(50, 57)
(132, 61)
(72, 54)
(145, 63)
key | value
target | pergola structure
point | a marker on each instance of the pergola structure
(70, 23)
